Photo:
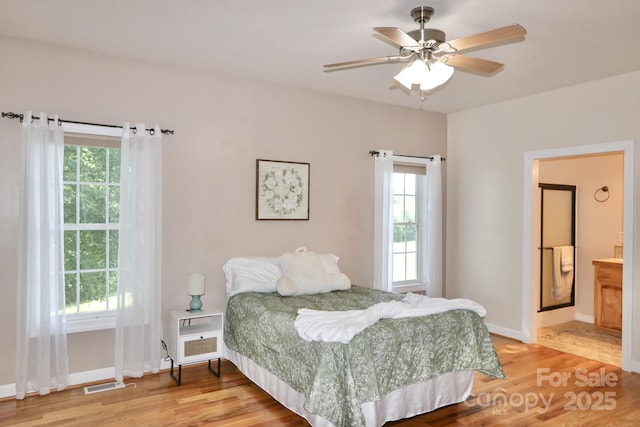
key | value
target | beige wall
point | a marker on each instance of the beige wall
(485, 175)
(598, 224)
(222, 125)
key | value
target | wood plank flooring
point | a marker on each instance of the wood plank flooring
(527, 396)
(584, 339)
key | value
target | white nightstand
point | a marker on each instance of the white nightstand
(193, 337)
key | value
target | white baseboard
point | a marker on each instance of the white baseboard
(77, 378)
(587, 318)
(7, 390)
(505, 332)
(92, 376)
(165, 364)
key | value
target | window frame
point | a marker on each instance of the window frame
(415, 223)
(99, 136)
(417, 284)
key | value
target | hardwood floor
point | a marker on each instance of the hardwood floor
(584, 339)
(532, 393)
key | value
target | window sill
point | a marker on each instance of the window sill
(412, 287)
(90, 324)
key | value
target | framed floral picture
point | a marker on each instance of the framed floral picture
(282, 190)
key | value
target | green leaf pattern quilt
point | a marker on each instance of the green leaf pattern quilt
(337, 378)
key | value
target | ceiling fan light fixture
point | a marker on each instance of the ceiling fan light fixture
(428, 75)
(412, 73)
(438, 74)
(432, 59)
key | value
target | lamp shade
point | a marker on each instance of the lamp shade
(427, 75)
(196, 284)
(438, 74)
(411, 73)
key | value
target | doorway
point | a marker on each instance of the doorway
(531, 230)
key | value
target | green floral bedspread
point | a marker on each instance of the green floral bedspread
(336, 378)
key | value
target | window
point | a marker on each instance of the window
(407, 223)
(405, 229)
(91, 179)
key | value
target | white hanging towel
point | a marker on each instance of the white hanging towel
(562, 271)
(566, 258)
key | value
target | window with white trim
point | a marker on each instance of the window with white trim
(405, 264)
(91, 193)
(407, 223)
(408, 229)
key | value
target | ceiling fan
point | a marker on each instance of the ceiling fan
(431, 58)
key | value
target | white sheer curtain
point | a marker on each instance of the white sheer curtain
(432, 217)
(138, 324)
(41, 347)
(383, 220)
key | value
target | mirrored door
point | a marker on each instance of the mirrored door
(557, 246)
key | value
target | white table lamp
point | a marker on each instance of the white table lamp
(196, 289)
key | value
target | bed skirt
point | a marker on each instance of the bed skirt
(415, 399)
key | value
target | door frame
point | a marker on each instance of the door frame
(529, 309)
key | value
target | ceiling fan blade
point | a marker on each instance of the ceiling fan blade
(397, 36)
(487, 38)
(370, 61)
(477, 65)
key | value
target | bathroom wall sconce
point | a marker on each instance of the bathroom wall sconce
(601, 194)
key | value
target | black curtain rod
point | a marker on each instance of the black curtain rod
(375, 153)
(11, 115)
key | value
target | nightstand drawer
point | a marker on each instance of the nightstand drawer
(199, 347)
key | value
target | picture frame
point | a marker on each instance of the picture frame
(282, 190)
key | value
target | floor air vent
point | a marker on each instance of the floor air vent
(103, 387)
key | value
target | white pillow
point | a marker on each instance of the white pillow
(330, 263)
(304, 274)
(252, 274)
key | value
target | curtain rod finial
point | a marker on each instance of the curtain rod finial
(12, 115)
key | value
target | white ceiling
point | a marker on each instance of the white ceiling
(288, 41)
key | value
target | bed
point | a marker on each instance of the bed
(393, 369)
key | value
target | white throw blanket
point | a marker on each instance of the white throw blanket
(342, 326)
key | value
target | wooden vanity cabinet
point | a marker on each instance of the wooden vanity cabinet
(608, 293)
